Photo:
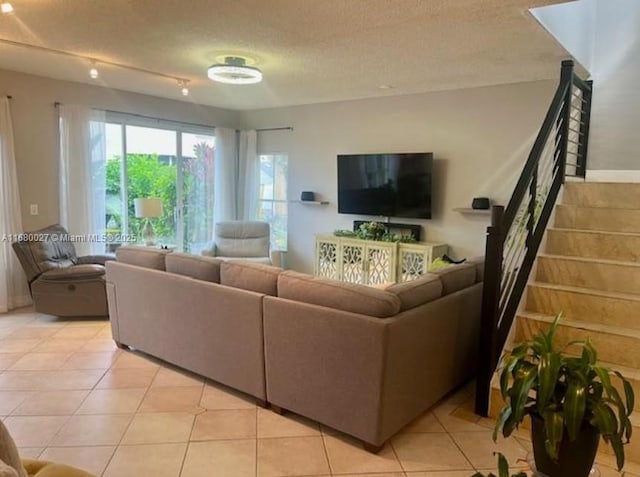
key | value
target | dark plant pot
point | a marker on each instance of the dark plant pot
(575, 458)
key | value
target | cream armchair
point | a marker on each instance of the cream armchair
(243, 240)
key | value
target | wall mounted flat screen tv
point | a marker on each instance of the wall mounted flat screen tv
(388, 185)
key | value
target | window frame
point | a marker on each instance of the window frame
(274, 201)
(178, 128)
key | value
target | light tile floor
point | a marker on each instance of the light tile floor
(67, 394)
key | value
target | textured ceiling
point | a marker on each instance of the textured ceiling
(309, 50)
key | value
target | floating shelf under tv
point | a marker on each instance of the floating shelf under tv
(311, 202)
(470, 211)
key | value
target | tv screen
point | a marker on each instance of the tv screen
(389, 185)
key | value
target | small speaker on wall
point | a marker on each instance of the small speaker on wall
(307, 196)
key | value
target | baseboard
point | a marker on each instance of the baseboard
(613, 176)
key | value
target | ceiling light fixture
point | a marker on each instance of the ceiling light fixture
(93, 71)
(6, 7)
(183, 84)
(234, 70)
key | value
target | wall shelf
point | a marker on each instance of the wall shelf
(311, 202)
(469, 211)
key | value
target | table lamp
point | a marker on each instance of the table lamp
(146, 209)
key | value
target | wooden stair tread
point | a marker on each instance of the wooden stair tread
(598, 208)
(584, 325)
(602, 261)
(595, 232)
(586, 291)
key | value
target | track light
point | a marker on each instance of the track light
(6, 7)
(93, 72)
(183, 84)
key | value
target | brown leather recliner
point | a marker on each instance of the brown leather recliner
(62, 283)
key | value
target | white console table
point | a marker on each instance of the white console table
(371, 262)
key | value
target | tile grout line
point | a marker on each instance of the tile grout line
(117, 446)
(193, 425)
(453, 440)
(326, 452)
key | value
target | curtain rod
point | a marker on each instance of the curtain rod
(57, 103)
(287, 128)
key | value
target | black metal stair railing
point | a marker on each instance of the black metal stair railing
(516, 232)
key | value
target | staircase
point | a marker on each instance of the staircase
(590, 271)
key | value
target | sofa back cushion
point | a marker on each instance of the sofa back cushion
(339, 295)
(242, 239)
(417, 292)
(478, 262)
(456, 277)
(146, 257)
(255, 277)
(195, 266)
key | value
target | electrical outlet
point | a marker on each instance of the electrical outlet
(33, 209)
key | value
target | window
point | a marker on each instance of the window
(272, 197)
(171, 161)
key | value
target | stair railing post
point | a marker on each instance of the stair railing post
(585, 122)
(566, 78)
(490, 309)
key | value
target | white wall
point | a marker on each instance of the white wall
(480, 139)
(607, 42)
(36, 129)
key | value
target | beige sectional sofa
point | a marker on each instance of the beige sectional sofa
(362, 360)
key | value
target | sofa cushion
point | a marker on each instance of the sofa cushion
(255, 277)
(478, 262)
(417, 292)
(147, 257)
(75, 272)
(194, 266)
(339, 295)
(456, 277)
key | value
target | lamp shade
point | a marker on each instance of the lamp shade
(146, 208)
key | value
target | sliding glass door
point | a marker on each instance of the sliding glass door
(172, 162)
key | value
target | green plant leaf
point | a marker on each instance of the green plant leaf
(575, 404)
(525, 378)
(548, 369)
(604, 419)
(554, 430)
(502, 418)
(628, 391)
(503, 466)
(616, 445)
(589, 355)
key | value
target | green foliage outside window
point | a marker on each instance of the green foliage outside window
(149, 175)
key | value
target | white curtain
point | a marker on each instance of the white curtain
(225, 177)
(83, 176)
(248, 175)
(14, 291)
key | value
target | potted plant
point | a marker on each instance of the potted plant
(571, 401)
(503, 469)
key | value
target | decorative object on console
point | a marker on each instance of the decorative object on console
(413, 232)
(480, 203)
(147, 209)
(307, 196)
